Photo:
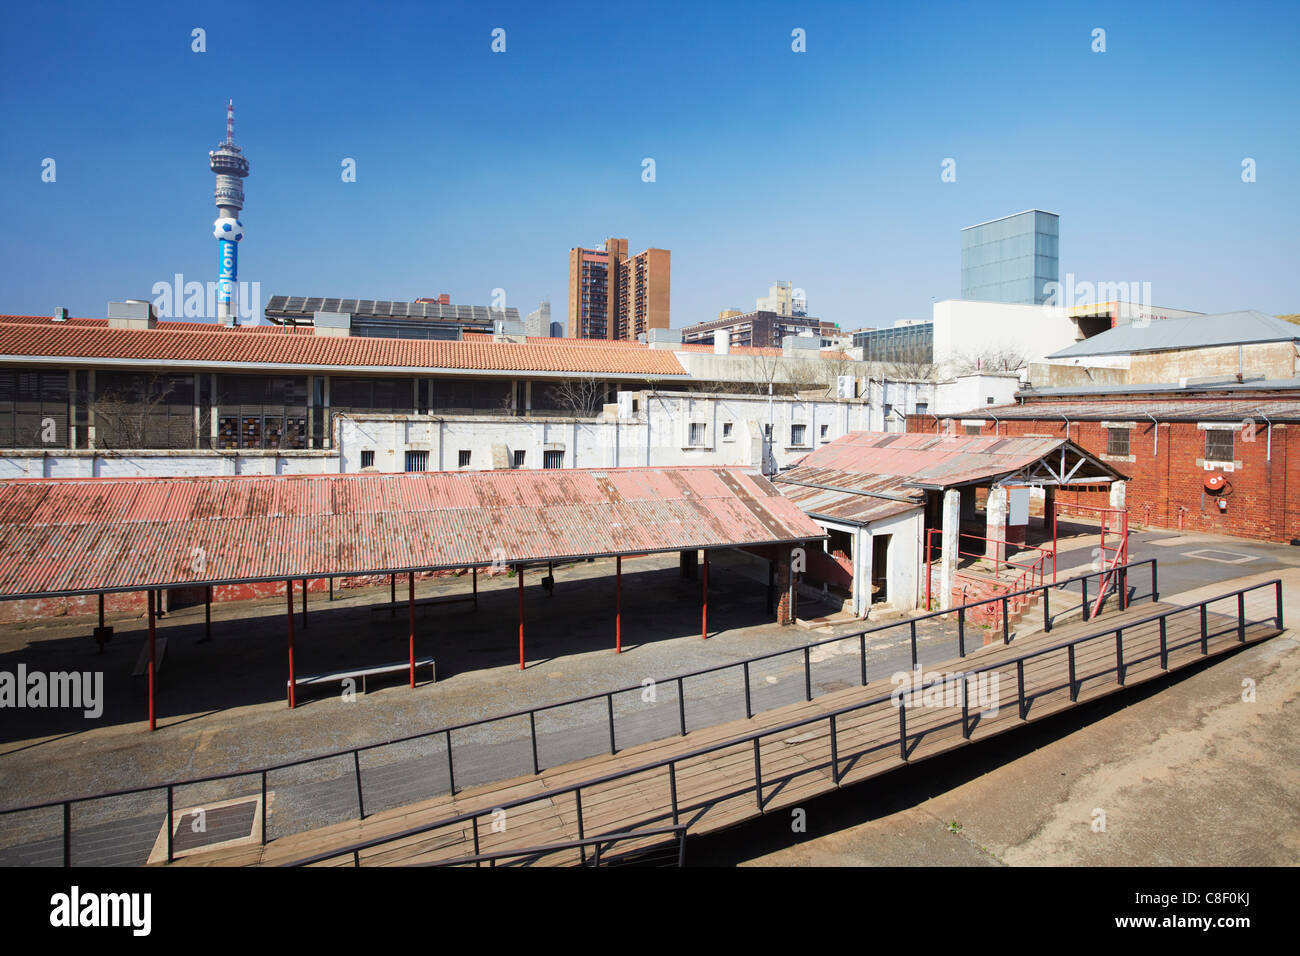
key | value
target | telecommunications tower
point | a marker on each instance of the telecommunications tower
(230, 165)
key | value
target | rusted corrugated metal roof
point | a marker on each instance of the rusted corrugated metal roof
(60, 536)
(1236, 411)
(863, 459)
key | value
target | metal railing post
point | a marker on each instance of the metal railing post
(672, 789)
(681, 706)
(1277, 589)
(1241, 616)
(1084, 583)
(961, 634)
(862, 642)
(913, 632)
(1164, 646)
(835, 755)
(749, 710)
(361, 804)
(902, 727)
(264, 804)
(965, 706)
(1205, 632)
(1119, 655)
(451, 767)
(609, 700)
(1006, 621)
(67, 833)
(532, 732)
(582, 850)
(1047, 617)
(1020, 686)
(474, 824)
(1155, 589)
(171, 821)
(1074, 689)
(758, 776)
(807, 674)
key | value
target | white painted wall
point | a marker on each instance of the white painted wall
(970, 392)
(965, 327)
(657, 434)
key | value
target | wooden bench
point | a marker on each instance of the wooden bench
(142, 662)
(362, 673)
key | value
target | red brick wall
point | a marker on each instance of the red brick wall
(1264, 502)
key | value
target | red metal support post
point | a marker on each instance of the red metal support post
(410, 613)
(153, 662)
(304, 604)
(288, 594)
(618, 604)
(704, 612)
(475, 569)
(207, 613)
(520, 569)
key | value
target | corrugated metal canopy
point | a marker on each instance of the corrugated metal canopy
(915, 460)
(68, 536)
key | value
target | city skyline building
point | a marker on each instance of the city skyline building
(1011, 259)
(614, 296)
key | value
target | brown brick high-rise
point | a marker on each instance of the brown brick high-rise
(612, 296)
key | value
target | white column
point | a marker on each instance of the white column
(948, 548)
(1119, 494)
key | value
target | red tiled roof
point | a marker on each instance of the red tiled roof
(92, 339)
(80, 535)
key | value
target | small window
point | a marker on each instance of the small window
(463, 459)
(417, 461)
(989, 400)
(767, 432)
(367, 459)
(552, 459)
(825, 432)
(1219, 444)
(636, 405)
(889, 412)
(797, 435)
(1117, 442)
(922, 408)
(972, 429)
(726, 431)
(697, 434)
(519, 459)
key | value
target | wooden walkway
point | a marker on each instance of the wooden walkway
(837, 741)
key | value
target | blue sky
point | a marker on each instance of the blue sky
(478, 171)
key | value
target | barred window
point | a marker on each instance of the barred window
(1219, 444)
(697, 434)
(463, 460)
(367, 458)
(417, 460)
(1117, 441)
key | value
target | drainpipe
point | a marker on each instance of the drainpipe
(1270, 436)
(1156, 429)
(997, 423)
(1067, 427)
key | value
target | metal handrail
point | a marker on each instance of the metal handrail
(531, 713)
(755, 737)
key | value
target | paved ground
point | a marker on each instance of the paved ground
(1184, 771)
(222, 702)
